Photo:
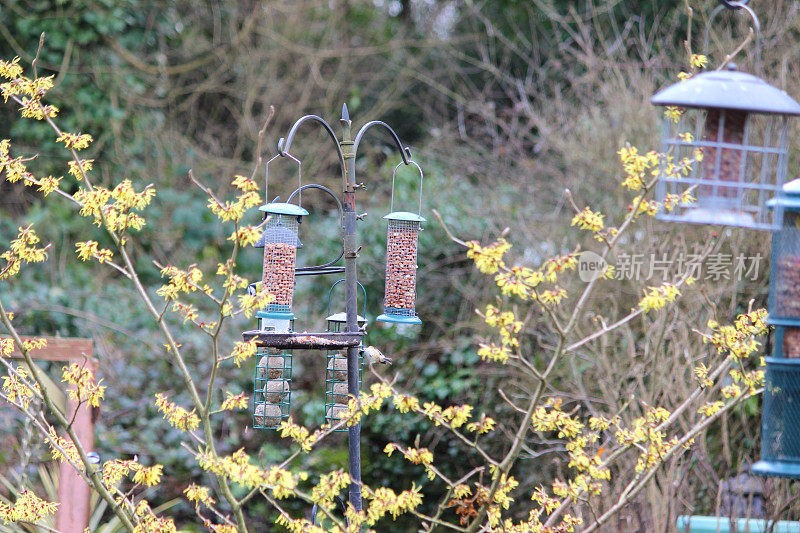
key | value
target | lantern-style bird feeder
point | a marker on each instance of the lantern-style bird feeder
(738, 122)
(780, 434)
(280, 241)
(336, 390)
(401, 262)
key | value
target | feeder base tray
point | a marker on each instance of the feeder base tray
(724, 217)
(312, 341)
(777, 468)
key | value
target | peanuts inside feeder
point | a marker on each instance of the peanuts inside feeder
(280, 242)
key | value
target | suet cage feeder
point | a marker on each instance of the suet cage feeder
(272, 387)
(780, 424)
(739, 123)
(336, 387)
(401, 262)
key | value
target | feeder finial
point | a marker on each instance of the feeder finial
(345, 114)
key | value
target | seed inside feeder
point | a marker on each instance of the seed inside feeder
(336, 413)
(271, 367)
(337, 369)
(791, 342)
(725, 126)
(339, 393)
(268, 415)
(278, 276)
(275, 389)
(401, 263)
(787, 290)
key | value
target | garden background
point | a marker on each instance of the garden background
(505, 105)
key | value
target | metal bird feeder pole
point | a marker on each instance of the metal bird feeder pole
(351, 338)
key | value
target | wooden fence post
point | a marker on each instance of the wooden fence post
(73, 492)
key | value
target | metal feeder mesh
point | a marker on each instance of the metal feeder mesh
(784, 302)
(336, 396)
(780, 439)
(280, 252)
(743, 166)
(272, 387)
(401, 267)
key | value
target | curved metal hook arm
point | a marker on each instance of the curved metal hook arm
(405, 151)
(324, 189)
(285, 143)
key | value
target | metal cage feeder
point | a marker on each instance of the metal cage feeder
(336, 389)
(401, 261)
(739, 123)
(780, 423)
(272, 387)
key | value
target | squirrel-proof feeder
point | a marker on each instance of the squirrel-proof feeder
(780, 418)
(739, 124)
(401, 262)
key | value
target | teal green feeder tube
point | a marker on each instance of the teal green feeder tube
(780, 419)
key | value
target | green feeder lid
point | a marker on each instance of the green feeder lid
(789, 198)
(399, 319)
(279, 208)
(342, 317)
(405, 216)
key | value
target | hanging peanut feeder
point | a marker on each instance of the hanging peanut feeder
(272, 381)
(739, 124)
(280, 256)
(401, 262)
(336, 390)
(780, 433)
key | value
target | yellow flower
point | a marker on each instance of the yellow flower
(199, 494)
(78, 141)
(234, 402)
(488, 259)
(242, 351)
(698, 61)
(27, 508)
(49, 184)
(88, 249)
(657, 297)
(83, 386)
(177, 416)
(673, 113)
(588, 220)
(493, 352)
(149, 476)
(10, 69)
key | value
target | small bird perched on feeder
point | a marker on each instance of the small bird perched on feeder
(373, 355)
